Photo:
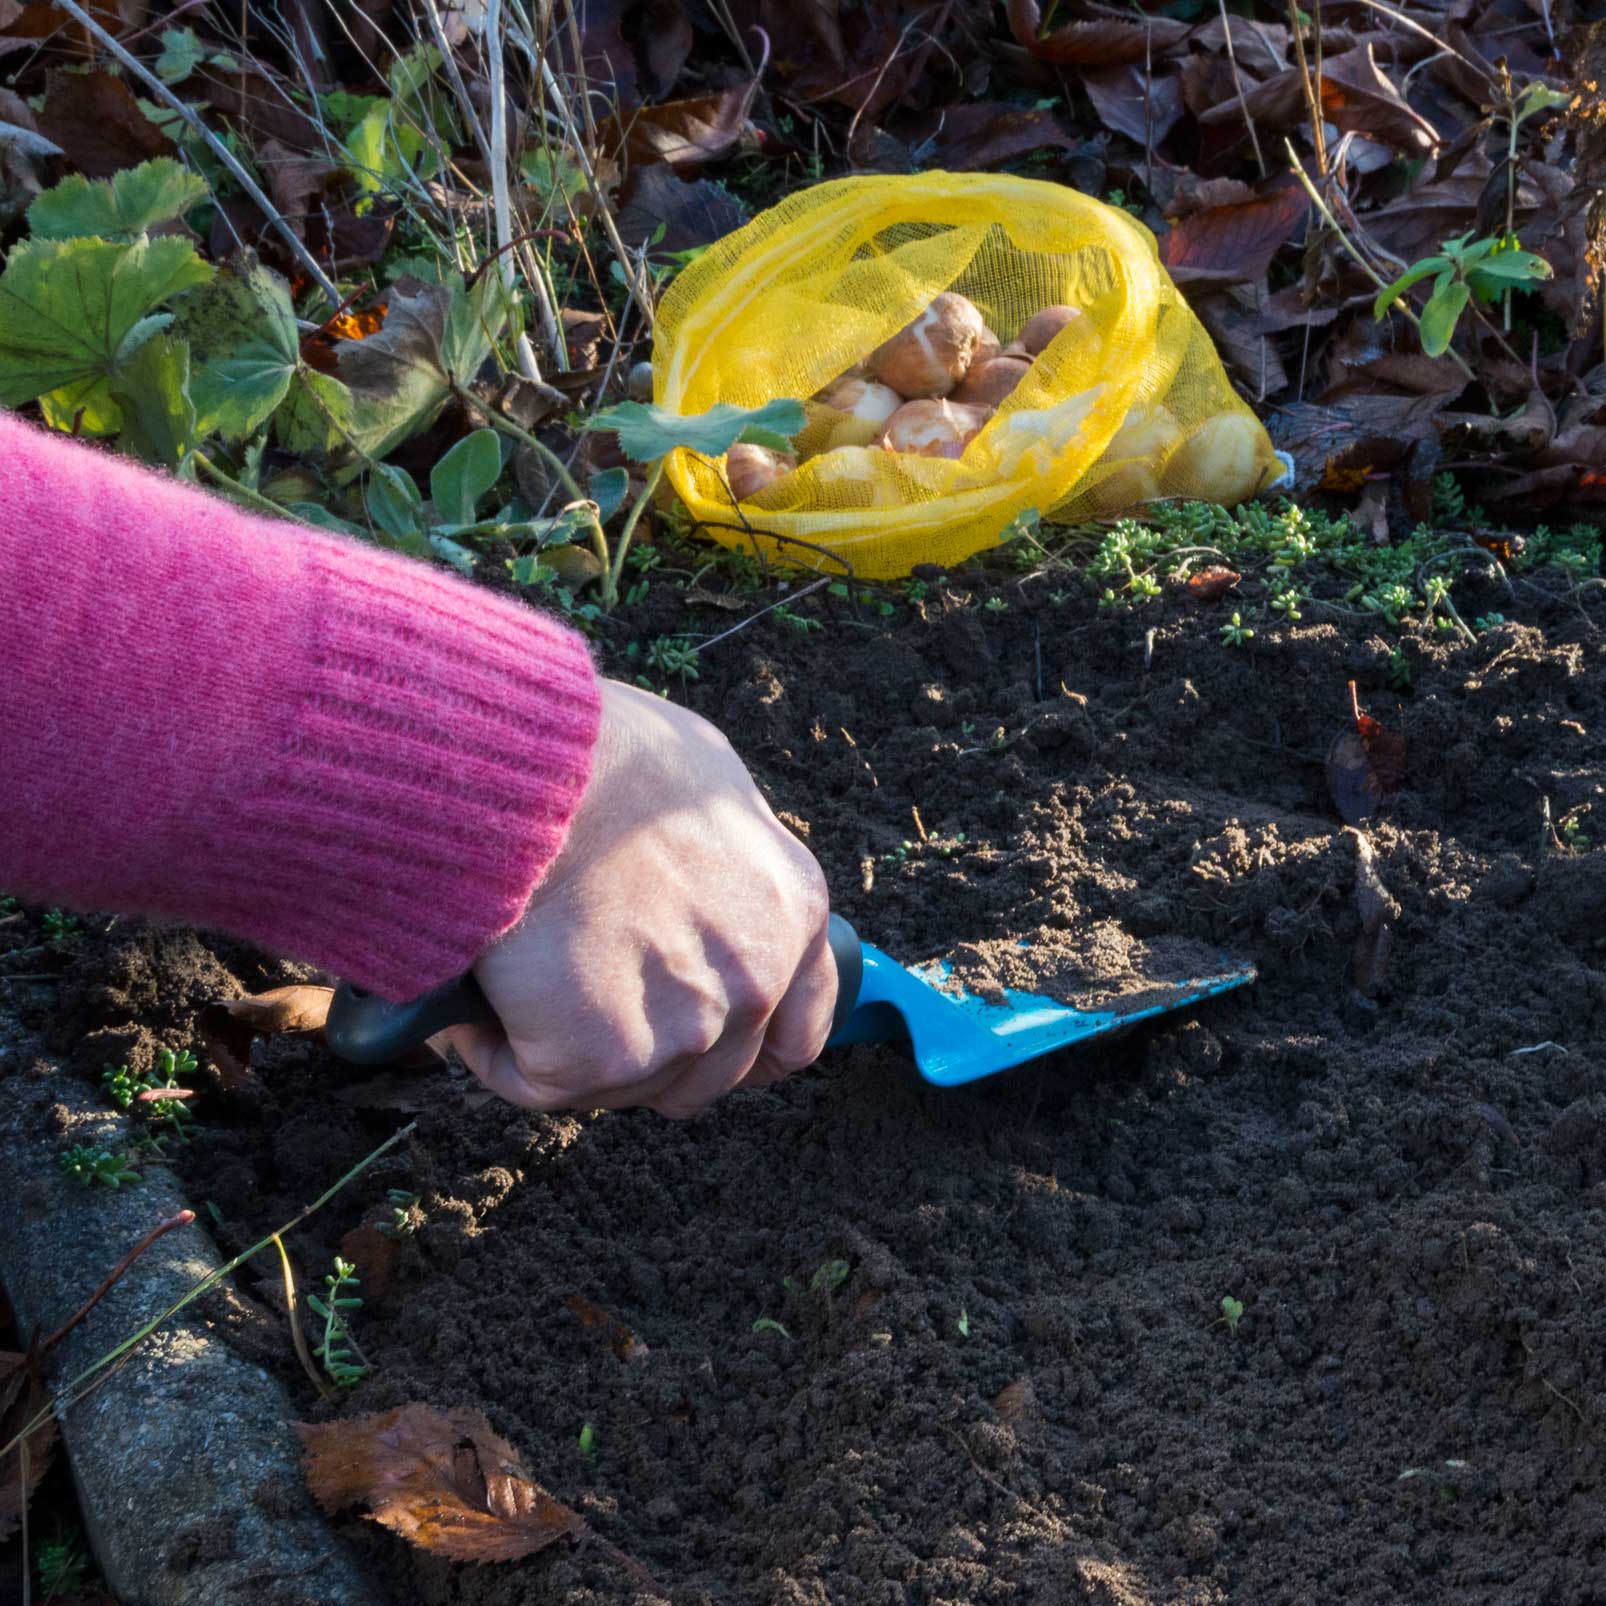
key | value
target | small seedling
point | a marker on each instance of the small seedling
(963, 1324)
(1399, 670)
(1488, 621)
(588, 1440)
(673, 655)
(63, 1564)
(59, 927)
(1463, 269)
(1287, 604)
(1232, 1312)
(87, 1165)
(798, 621)
(345, 1369)
(768, 1324)
(402, 1206)
(995, 605)
(829, 1277)
(1235, 633)
(1572, 832)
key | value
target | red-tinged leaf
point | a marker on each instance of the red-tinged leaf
(1211, 584)
(443, 1480)
(1016, 1403)
(96, 120)
(1233, 244)
(1105, 42)
(1365, 765)
(1143, 107)
(984, 133)
(620, 1339)
(1378, 912)
(1357, 97)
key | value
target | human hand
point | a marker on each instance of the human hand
(677, 946)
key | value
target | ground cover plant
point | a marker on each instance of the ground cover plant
(1287, 1298)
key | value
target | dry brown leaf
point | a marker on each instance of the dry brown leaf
(95, 118)
(1103, 42)
(1212, 583)
(1365, 765)
(374, 1254)
(1016, 1403)
(620, 1339)
(984, 133)
(1144, 108)
(1234, 243)
(1378, 912)
(229, 1026)
(443, 1480)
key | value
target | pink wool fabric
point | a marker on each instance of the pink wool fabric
(343, 755)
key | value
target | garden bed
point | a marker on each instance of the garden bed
(995, 1365)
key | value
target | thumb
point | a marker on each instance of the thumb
(489, 1055)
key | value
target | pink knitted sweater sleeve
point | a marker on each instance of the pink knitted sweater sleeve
(341, 754)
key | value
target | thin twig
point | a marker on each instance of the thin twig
(1343, 239)
(236, 167)
(109, 1281)
(1238, 84)
(1318, 130)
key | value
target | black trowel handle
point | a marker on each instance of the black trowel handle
(368, 1030)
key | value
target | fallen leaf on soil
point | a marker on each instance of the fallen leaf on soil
(988, 132)
(1104, 42)
(1378, 912)
(95, 118)
(1145, 109)
(1235, 243)
(1210, 584)
(229, 1026)
(620, 1339)
(374, 1254)
(443, 1480)
(691, 212)
(685, 135)
(1365, 766)
(1016, 1402)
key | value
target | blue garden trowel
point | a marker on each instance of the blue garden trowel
(953, 1036)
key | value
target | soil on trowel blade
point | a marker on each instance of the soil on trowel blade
(994, 1364)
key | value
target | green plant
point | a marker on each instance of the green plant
(963, 1324)
(87, 1165)
(801, 622)
(1488, 621)
(1235, 633)
(995, 605)
(62, 1564)
(588, 1440)
(829, 1277)
(768, 1324)
(336, 1349)
(1399, 670)
(1463, 269)
(673, 655)
(1571, 830)
(59, 927)
(402, 1206)
(916, 591)
(1232, 1312)
(1286, 602)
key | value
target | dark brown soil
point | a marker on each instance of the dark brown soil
(1024, 1389)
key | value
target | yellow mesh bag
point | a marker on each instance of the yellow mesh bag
(810, 288)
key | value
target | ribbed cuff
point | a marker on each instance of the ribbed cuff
(426, 777)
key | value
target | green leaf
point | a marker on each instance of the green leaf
(317, 515)
(67, 308)
(181, 54)
(454, 553)
(317, 413)
(381, 151)
(607, 490)
(153, 392)
(647, 432)
(1440, 315)
(434, 336)
(464, 475)
(246, 347)
(1510, 270)
(1424, 269)
(132, 202)
(394, 502)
